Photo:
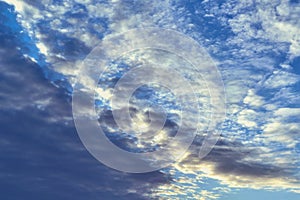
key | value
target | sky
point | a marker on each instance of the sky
(255, 46)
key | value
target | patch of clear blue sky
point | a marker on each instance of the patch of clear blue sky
(250, 194)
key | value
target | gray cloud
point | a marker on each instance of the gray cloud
(42, 156)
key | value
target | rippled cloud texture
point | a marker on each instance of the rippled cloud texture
(255, 44)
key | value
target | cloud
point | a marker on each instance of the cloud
(253, 99)
(41, 152)
(280, 79)
(272, 21)
(283, 127)
(232, 165)
(248, 40)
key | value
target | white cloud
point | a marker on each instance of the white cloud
(248, 118)
(283, 127)
(278, 20)
(281, 79)
(253, 99)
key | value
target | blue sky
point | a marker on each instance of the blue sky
(255, 46)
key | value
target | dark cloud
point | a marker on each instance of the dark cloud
(41, 154)
(235, 159)
(229, 159)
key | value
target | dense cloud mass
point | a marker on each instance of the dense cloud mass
(255, 45)
(42, 156)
